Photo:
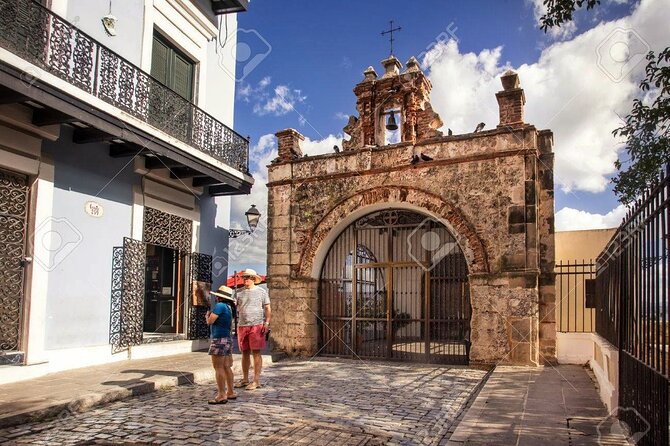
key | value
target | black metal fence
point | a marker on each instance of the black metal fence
(632, 301)
(51, 43)
(574, 305)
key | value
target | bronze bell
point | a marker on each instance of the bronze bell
(391, 124)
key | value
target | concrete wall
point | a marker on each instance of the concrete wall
(581, 245)
(220, 77)
(87, 14)
(78, 293)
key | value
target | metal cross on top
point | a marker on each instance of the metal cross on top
(391, 30)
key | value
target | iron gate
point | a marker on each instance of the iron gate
(13, 213)
(403, 295)
(632, 301)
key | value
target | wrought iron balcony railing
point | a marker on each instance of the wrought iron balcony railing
(46, 40)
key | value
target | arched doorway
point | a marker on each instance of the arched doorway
(403, 295)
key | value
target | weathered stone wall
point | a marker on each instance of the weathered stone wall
(492, 189)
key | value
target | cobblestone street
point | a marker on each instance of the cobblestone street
(311, 402)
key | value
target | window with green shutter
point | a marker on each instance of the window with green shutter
(172, 68)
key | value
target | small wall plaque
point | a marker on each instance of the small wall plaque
(93, 209)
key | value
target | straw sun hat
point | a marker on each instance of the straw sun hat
(252, 273)
(224, 292)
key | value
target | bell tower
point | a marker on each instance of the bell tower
(400, 98)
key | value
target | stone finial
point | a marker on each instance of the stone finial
(370, 74)
(288, 144)
(412, 65)
(510, 80)
(511, 101)
(391, 66)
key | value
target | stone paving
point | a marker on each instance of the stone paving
(548, 406)
(320, 402)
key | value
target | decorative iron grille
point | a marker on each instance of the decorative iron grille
(127, 306)
(171, 231)
(117, 295)
(13, 212)
(201, 271)
(46, 40)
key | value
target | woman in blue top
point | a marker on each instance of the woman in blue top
(220, 320)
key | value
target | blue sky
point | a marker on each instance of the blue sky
(310, 54)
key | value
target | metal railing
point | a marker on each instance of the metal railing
(632, 298)
(46, 40)
(574, 312)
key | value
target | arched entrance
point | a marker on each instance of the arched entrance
(394, 285)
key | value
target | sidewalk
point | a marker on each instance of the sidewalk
(80, 389)
(548, 406)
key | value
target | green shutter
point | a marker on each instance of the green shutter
(159, 61)
(182, 71)
(171, 68)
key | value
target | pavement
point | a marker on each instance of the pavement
(548, 406)
(319, 401)
(81, 389)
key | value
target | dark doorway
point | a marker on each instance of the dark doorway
(163, 302)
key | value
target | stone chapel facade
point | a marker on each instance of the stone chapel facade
(345, 275)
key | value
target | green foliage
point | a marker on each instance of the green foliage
(560, 11)
(647, 132)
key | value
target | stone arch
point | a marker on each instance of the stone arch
(361, 203)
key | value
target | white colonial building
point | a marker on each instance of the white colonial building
(117, 162)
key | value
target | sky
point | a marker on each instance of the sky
(298, 61)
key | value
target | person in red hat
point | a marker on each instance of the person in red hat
(253, 311)
(220, 320)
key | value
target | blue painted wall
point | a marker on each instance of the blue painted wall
(215, 219)
(78, 296)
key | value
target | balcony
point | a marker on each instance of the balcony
(38, 36)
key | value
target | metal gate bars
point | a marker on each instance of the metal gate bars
(403, 295)
(13, 213)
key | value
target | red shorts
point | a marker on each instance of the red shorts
(251, 337)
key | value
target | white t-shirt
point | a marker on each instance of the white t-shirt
(251, 306)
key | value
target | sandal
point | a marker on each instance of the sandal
(253, 386)
(215, 401)
(241, 383)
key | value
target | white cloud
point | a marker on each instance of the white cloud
(567, 91)
(569, 219)
(282, 102)
(342, 116)
(320, 146)
(276, 101)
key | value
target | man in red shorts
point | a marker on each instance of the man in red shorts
(253, 310)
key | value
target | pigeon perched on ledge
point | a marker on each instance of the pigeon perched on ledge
(336, 148)
(425, 157)
(479, 127)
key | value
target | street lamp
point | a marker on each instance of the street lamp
(253, 216)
